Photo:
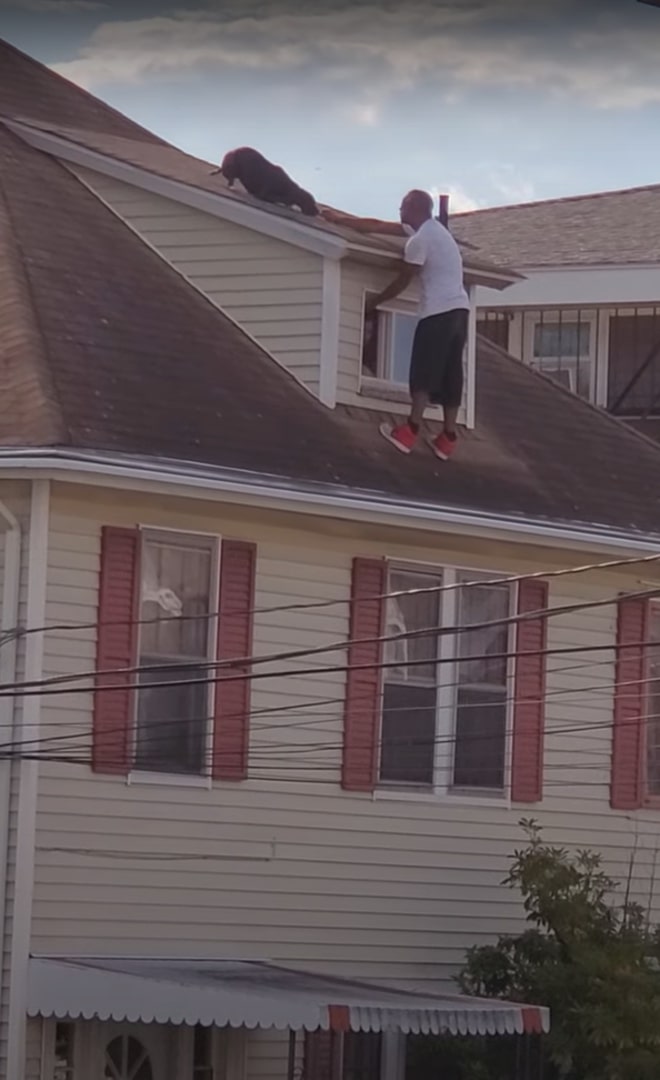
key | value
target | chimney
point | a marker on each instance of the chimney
(443, 216)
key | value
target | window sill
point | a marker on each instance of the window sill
(453, 797)
(169, 780)
(383, 390)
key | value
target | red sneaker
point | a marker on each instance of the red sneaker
(403, 437)
(443, 447)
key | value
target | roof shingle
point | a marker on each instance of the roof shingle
(608, 228)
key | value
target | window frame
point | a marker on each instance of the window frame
(447, 693)
(201, 540)
(542, 364)
(385, 314)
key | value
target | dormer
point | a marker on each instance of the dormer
(373, 352)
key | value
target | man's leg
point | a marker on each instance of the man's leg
(404, 436)
(420, 400)
(451, 416)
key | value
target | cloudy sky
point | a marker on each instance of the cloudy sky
(495, 101)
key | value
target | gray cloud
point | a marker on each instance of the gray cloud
(54, 6)
(601, 55)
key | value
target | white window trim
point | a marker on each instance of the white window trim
(205, 779)
(442, 790)
(539, 364)
(380, 386)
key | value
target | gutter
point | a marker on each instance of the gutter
(8, 660)
(188, 479)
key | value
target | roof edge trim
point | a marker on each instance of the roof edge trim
(191, 478)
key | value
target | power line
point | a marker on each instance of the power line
(88, 734)
(29, 688)
(337, 601)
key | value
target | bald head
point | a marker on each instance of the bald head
(416, 208)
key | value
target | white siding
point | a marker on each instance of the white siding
(33, 1056)
(287, 866)
(272, 289)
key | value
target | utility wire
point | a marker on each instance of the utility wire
(337, 601)
(54, 682)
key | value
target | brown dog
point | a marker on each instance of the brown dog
(264, 180)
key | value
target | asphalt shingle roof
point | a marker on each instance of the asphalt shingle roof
(608, 228)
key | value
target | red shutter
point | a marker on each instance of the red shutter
(119, 598)
(629, 704)
(231, 730)
(529, 694)
(363, 687)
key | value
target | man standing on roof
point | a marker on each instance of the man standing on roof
(431, 257)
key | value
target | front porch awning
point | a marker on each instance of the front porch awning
(252, 994)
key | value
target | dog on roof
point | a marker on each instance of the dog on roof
(264, 180)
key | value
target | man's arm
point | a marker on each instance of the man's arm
(401, 282)
(364, 225)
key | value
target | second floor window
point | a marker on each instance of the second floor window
(178, 582)
(445, 699)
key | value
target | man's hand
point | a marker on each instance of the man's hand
(406, 275)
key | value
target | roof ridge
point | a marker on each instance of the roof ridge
(570, 395)
(26, 311)
(556, 200)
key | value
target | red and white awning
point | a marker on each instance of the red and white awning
(252, 994)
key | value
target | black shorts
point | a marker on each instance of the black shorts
(436, 363)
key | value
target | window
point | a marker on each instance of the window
(562, 349)
(362, 1055)
(387, 345)
(175, 635)
(353, 1055)
(202, 1053)
(653, 705)
(64, 1043)
(127, 1059)
(445, 700)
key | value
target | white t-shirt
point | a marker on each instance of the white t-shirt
(434, 249)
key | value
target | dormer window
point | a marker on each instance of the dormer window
(380, 357)
(386, 345)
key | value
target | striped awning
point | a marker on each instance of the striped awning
(257, 995)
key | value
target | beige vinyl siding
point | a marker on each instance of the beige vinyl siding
(271, 288)
(268, 1054)
(16, 498)
(33, 1056)
(287, 866)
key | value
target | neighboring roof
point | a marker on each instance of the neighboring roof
(608, 228)
(104, 346)
(239, 993)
